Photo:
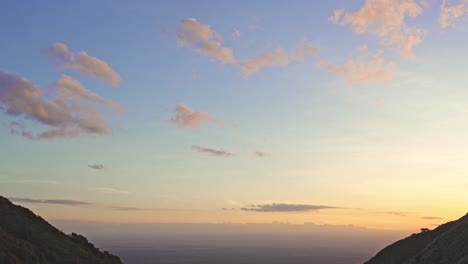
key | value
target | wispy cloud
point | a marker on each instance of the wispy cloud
(281, 207)
(109, 190)
(385, 19)
(214, 152)
(276, 58)
(66, 202)
(186, 117)
(52, 182)
(449, 14)
(64, 59)
(202, 38)
(72, 111)
(364, 68)
(50, 201)
(261, 154)
(96, 166)
(432, 218)
(236, 34)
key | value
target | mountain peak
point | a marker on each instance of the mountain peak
(27, 238)
(447, 244)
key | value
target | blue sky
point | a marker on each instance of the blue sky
(326, 140)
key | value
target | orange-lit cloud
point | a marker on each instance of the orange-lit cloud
(214, 152)
(449, 14)
(366, 67)
(276, 58)
(198, 36)
(64, 59)
(72, 111)
(385, 19)
(280, 207)
(186, 117)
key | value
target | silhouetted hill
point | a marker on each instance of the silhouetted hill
(447, 244)
(27, 238)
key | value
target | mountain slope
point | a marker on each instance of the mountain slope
(447, 244)
(27, 238)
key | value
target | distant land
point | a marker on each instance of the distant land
(447, 244)
(27, 238)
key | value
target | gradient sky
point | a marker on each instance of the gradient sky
(338, 112)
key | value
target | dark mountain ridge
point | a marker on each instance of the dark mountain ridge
(27, 238)
(447, 244)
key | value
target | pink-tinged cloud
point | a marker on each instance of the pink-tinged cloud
(236, 34)
(108, 190)
(195, 74)
(213, 152)
(64, 59)
(164, 35)
(72, 110)
(202, 38)
(385, 19)
(261, 154)
(187, 118)
(277, 58)
(450, 14)
(366, 67)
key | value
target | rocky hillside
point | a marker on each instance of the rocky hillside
(27, 238)
(447, 244)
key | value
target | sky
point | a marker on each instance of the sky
(332, 112)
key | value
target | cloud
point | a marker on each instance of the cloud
(108, 190)
(432, 218)
(67, 110)
(214, 152)
(449, 14)
(276, 58)
(236, 34)
(52, 182)
(366, 67)
(64, 59)
(261, 154)
(385, 19)
(281, 207)
(49, 201)
(186, 117)
(122, 208)
(192, 34)
(96, 166)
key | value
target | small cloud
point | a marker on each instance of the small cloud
(385, 19)
(64, 59)
(449, 14)
(202, 38)
(122, 208)
(281, 207)
(261, 154)
(366, 67)
(236, 34)
(432, 218)
(49, 201)
(163, 35)
(108, 190)
(195, 74)
(277, 58)
(96, 166)
(186, 117)
(233, 203)
(214, 152)
(395, 213)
